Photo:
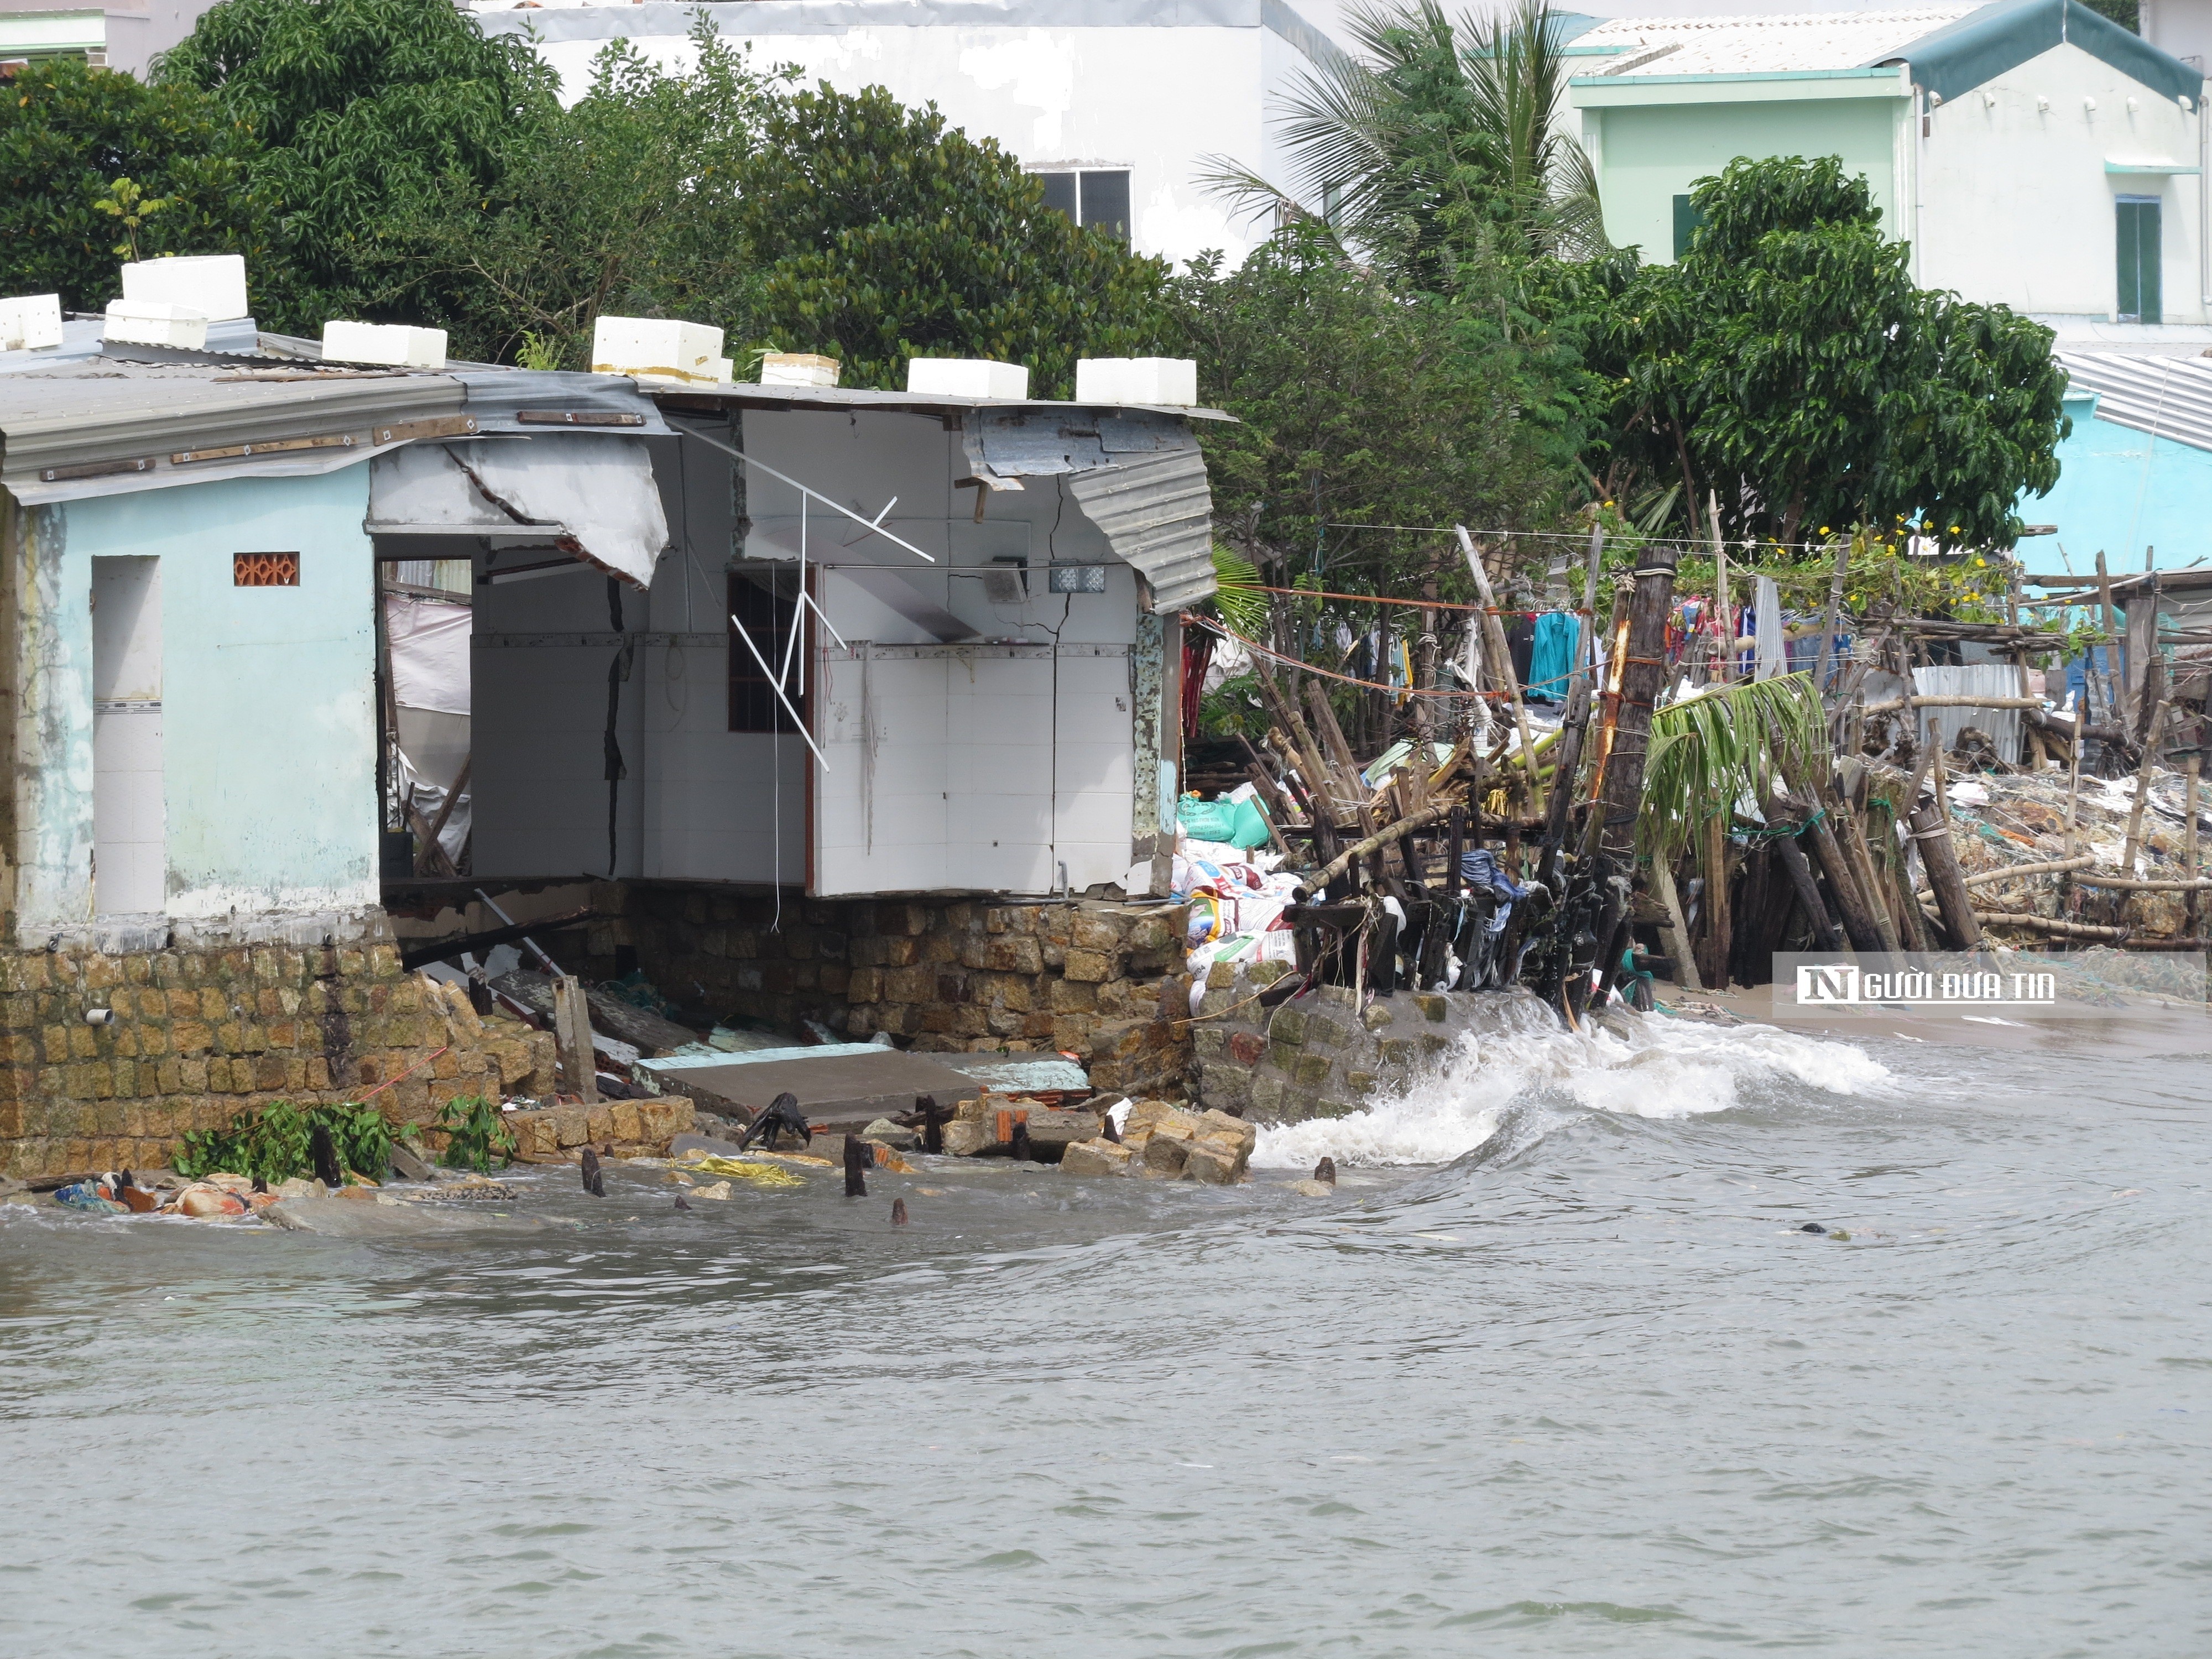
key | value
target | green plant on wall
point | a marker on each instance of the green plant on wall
(275, 1142)
(475, 1135)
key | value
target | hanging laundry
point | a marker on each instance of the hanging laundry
(1553, 657)
(1772, 654)
(1520, 640)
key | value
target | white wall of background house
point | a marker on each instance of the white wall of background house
(2020, 179)
(1148, 88)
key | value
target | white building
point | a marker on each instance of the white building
(2033, 153)
(1121, 103)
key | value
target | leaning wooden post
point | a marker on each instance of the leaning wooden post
(1642, 669)
(1502, 663)
(2189, 844)
(571, 1038)
(1678, 931)
(1930, 824)
(2142, 791)
(1808, 890)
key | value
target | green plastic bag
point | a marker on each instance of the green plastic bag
(1237, 823)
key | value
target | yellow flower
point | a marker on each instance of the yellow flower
(1955, 530)
(1823, 530)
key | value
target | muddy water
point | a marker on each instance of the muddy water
(1555, 1373)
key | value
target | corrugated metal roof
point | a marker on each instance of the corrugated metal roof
(1157, 515)
(1764, 45)
(97, 427)
(2167, 396)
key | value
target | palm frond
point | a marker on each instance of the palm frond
(1711, 748)
(1237, 598)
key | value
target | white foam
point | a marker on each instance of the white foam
(1663, 1068)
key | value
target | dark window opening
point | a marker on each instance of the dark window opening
(1091, 197)
(1687, 222)
(764, 605)
(2141, 298)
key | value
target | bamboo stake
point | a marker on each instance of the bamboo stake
(1717, 896)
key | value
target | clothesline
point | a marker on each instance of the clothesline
(1227, 632)
(1418, 605)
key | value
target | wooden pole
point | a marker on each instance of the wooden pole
(2142, 793)
(1502, 661)
(1715, 860)
(1642, 669)
(1930, 824)
(2190, 772)
(1373, 844)
(1723, 616)
(572, 1039)
(1677, 930)
(1808, 890)
(1834, 614)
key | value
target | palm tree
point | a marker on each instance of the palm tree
(1440, 144)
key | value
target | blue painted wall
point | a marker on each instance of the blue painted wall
(269, 727)
(2122, 490)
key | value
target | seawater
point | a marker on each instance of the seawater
(1555, 1372)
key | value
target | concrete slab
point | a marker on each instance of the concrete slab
(837, 1088)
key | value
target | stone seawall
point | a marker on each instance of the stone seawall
(194, 1035)
(1323, 1055)
(1098, 979)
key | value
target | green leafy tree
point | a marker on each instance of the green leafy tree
(71, 137)
(626, 203)
(1439, 144)
(1359, 407)
(878, 234)
(1788, 367)
(356, 110)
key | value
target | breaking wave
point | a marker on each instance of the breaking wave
(1652, 1067)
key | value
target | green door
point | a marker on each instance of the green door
(2136, 217)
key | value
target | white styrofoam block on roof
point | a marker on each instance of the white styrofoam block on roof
(31, 322)
(144, 322)
(966, 377)
(662, 349)
(213, 284)
(399, 344)
(1172, 381)
(798, 368)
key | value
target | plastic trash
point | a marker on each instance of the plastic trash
(86, 1195)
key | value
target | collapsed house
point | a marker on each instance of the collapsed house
(802, 700)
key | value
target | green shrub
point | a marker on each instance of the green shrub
(274, 1142)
